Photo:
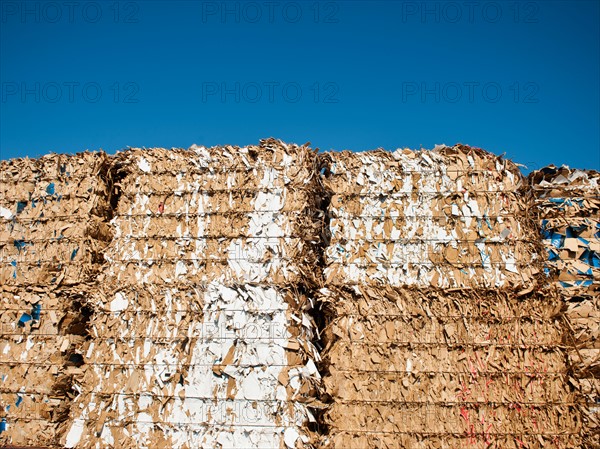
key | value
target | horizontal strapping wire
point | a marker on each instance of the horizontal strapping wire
(276, 239)
(479, 373)
(461, 435)
(272, 258)
(386, 215)
(195, 170)
(397, 402)
(475, 404)
(284, 169)
(159, 340)
(153, 395)
(147, 263)
(280, 428)
(400, 169)
(339, 236)
(187, 215)
(528, 375)
(157, 237)
(181, 285)
(517, 346)
(170, 260)
(337, 264)
(154, 364)
(71, 218)
(393, 194)
(281, 211)
(62, 177)
(241, 191)
(264, 167)
(162, 311)
(284, 210)
(82, 194)
(179, 215)
(458, 318)
(340, 342)
(158, 311)
(179, 424)
(486, 240)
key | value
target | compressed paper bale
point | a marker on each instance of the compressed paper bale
(475, 366)
(568, 209)
(233, 355)
(49, 209)
(198, 308)
(218, 224)
(451, 217)
(53, 187)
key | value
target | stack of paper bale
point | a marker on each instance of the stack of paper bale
(568, 203)
(435, 338)
(51, 240)
(201, 327)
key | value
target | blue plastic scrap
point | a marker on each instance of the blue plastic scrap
(21, 205)
(579, 229)
(24, 318)
(586, 257)
(3, 425)
(20, 244)
(19, 400)
(561, 202)
(577, 283)
(584, 241)
(36, 312)
(557, 240)
(50, 189)
(74, 253)
(552, 255)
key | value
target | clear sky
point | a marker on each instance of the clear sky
(520, 78)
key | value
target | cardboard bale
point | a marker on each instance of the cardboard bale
(433, 368)
(451, 217)
(568, 209)
(227, 213)
(438, 332)
(51, 240)
(201, 333)
(51, 212)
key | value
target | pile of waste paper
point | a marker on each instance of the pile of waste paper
(271, 296)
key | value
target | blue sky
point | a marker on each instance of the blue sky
(520, 78)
